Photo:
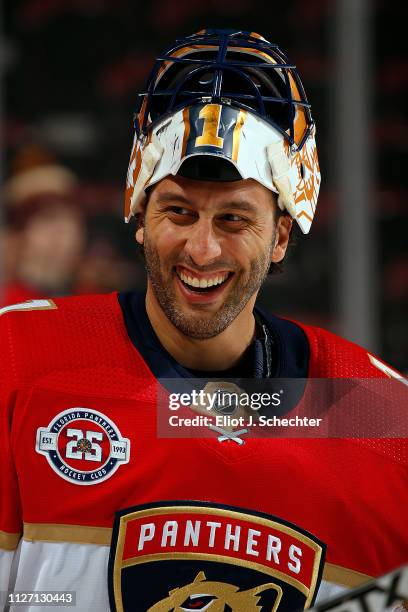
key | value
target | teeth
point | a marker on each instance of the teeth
(202, 283)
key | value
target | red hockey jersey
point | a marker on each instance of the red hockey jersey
(98, 505)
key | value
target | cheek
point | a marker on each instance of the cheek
(245, 248)
(167, 240)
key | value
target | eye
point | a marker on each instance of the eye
(232, 217)
(179, 210)
(181, 215)
(232, 222)
(197, 602)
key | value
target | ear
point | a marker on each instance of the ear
(262, 588)
(140, 235)
(283, 227)
(200, 577)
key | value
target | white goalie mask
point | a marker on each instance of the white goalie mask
(231, 96)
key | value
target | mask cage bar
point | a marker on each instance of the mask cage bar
(224, 43)
(216, 87)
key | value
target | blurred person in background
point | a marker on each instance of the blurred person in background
(44, 233)
(108, 260)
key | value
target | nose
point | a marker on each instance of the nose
(202, 245)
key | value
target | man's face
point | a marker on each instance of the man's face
(208, 247)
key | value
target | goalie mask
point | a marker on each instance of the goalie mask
(226, 105)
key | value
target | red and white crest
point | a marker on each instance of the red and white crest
(173, 556)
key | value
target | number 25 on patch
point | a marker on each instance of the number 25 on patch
(211, 113)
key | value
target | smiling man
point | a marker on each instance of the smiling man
(208, 248)
(105, 508)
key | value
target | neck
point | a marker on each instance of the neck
(218, 353)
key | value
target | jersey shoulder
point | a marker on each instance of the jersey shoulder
(332, 356)
(79, 303)
(58, 316)
(71, 334)
(377, 415)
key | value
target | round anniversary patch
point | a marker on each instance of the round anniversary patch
(83, 446)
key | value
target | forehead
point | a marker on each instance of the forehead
(245, 194)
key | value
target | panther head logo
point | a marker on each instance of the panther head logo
(203, 594)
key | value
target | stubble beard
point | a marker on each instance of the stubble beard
(202, 325)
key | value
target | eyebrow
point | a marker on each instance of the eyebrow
(168, 197)
(240, 205)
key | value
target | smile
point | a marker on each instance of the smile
(201, 283)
